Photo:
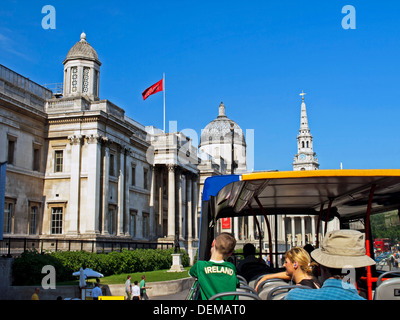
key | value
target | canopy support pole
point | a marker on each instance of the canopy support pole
(269, 229)
(327, 215)
(318, 224)
(367, 242)
(258, 228)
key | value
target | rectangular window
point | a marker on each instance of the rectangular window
(145, 178)
(112, 171)
(11, 150)
(132, 224)
(36, 159)
(146, 225)
(133, 176)
(110, 220)
(58, 161)
(33, 220)
(56, 220)
(8, 214)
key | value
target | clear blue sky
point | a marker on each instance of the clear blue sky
(255, 56)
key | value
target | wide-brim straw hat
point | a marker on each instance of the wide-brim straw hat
(342, 248)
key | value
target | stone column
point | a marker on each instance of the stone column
(303, 231)
(189, 207)
(182, 209)
(313, 230)
(92, 215)
(251, 228)
(106, 178)
(121, 193)
(74, 187)
(293, 231)
(283, 229)
(160, 203)
(195, 206)
(151, 204)
(171, 201)
(126, 191)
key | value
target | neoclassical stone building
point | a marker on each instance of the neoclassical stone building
(79, 168)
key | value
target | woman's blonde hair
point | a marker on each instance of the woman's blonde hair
(302, 258)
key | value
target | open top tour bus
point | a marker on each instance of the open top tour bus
(352, 196)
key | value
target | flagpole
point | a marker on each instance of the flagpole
(164, 102)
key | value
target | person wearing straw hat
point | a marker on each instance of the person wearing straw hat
(341, 251)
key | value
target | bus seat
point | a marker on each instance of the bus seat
(388, 289)
(254, 282)
(279, 293)
(235, 293)
(267, 285)
(241, 279)
(246, 288)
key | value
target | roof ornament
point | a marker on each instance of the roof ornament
(302, 94)
(221, 110)
(83, 36)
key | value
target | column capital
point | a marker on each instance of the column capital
(172, 167)
(93, 138)
(75, 139)
(106, 141)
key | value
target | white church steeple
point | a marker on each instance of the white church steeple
(306, 158)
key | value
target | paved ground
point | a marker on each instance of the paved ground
(178, 296)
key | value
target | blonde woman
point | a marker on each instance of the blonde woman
(298, 267)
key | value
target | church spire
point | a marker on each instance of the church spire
(303, 118)
(306, 158)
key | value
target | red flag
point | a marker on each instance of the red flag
(153, 89)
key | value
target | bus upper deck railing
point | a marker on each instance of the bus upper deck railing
(11, 246)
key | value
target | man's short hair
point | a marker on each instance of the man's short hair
(225, 243)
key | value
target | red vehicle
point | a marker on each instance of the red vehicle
(382, 245)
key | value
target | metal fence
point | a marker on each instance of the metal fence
(15, 246)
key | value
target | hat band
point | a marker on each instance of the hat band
(343, 251)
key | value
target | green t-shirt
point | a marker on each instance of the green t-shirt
(142, 284)
(215, 277)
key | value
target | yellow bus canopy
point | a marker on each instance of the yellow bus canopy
(303, 192)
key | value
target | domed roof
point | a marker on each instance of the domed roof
(219, 130)
(82, 50)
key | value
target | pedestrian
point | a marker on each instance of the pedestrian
(135, 291)
(96, 292)
(35, 295)
(143, 288)
(128, 288)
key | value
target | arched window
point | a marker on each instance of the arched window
(302, 144)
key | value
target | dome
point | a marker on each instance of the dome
(82, 50)
(219, 130)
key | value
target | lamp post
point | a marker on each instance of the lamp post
(232, 149)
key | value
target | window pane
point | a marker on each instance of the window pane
(58, 164)
(8, 210)
(33, 220)
(56, 220)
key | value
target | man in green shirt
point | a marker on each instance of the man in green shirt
(217, 275)
(143, 295)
